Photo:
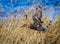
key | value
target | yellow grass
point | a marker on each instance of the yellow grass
(13, 33)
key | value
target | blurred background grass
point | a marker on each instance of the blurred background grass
(11, 32)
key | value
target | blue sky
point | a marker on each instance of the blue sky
(8, 5)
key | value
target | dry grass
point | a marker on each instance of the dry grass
(13, 33)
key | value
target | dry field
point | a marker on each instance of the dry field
(13, 33)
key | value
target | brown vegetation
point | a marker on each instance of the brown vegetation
(13, 33)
